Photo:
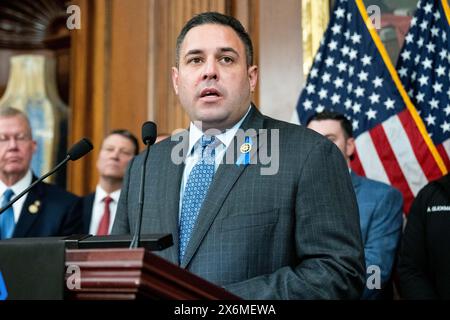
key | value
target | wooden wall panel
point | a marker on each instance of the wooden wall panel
(89, 88)
(247, 12)
(168, 19)
(280, 57)
(128, 75)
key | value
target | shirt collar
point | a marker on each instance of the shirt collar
(19, 186)
(100, 194)
(225, 137)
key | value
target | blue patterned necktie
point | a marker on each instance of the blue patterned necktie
(7, 223)
(195, 191)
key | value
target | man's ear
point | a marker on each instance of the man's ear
(34, 143)
(350, 147)
(175, 79)
(253, 77)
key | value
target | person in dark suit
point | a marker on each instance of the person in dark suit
(263, 208)
(99, 207)
(380, 208)
(46, 210)
(424, 259)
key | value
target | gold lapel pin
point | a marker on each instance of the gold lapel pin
(34, 208)
(246, 147)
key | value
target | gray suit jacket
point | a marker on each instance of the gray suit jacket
(292, 235)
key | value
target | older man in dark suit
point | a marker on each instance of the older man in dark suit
(46, 210)
(283, 226)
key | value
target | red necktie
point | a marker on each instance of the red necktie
(103, 227)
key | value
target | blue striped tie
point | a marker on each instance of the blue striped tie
(7, 223)
(195, 191)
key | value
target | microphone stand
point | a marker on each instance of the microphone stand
(137, 233)
(34, 183)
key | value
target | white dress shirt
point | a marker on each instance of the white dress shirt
(17, 188)
(194, 153)
(99, 208)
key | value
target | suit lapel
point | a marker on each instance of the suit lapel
(224, 180)
(88, 204)
(171, 192)
(356, 180)
(31, 211)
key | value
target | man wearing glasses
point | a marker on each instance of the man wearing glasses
(46, 210)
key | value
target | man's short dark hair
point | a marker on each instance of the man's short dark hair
(332, 115)
(127, 134)
(220, 19)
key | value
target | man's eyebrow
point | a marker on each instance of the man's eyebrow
(222, 50)
(193, 51)
(229, 49)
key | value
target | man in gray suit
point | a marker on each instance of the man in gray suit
(283, 226)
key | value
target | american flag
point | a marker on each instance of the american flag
(424, 69)
(352, 74)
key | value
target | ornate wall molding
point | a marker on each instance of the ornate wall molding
(32, 24)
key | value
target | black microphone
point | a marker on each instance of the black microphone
(149, 138)
(77, 151)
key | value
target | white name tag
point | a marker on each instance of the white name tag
(438, 208)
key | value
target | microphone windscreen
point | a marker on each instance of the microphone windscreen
(79, 149)
(149, 132)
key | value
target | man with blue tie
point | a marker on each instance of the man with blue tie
(380, 207)
(46, 210)
(285, 228)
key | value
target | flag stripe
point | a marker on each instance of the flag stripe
(370, 161)
(398, 84)
(356, 164)
(404, 154)
(391, 165)
(446, 146)
(430, 168)
(442, 148)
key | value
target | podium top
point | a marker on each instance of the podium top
(152, 242)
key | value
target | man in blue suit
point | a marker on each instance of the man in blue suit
(380, 207)
(46, 210)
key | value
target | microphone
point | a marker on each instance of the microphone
(77, 151)
(149, 133)
(149, 138)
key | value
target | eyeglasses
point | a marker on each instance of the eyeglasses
(19, 138)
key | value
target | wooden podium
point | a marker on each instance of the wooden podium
(129, 274)
(96, 267)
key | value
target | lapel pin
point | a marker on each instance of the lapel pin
(245, 149)
(33, 208)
